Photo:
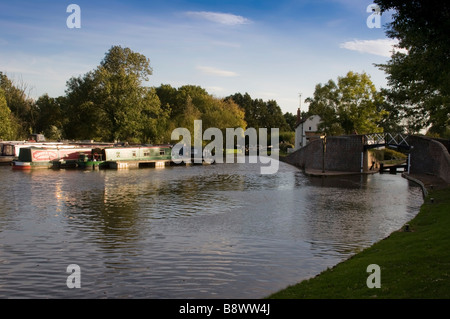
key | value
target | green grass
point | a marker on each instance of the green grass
(414, 264)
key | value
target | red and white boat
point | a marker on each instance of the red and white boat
(48, 157)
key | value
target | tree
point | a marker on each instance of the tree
(112, 103)
(128, 106)
(394, 118)
(352, 105)
(223, 114)
(419, 75)
(20, 104)
(49, 116)
(85, 119)
(291, 121)
(6, 127)
(250, 108)
(260, 114)
(189, 103)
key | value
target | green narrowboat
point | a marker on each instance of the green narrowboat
(93, 160)
(126, 156)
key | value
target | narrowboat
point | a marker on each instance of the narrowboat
(93, 160)
(48, 157)
(196, 156)
(6, 156)
(126, 156)
(9, 150)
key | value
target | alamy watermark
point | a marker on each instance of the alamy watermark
(374, 279)
(74, 19)
(235, 144)
(74, 279)
(374, 20)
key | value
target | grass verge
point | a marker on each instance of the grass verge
(413, 264)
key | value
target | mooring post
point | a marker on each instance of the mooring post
(409, 162)
(362, 162)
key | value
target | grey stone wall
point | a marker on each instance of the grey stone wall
(343, 153)
(429, 156)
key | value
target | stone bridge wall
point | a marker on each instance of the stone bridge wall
(429, 157)
(343, 153)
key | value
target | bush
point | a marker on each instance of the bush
(387, 154)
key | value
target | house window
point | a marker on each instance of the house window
(134, 153)
(118, 154)
(147, 154)
(162, 152)
(310, 128)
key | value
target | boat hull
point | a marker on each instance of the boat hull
(21, 166)
(92, 164)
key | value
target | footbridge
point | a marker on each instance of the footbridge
(396, 140)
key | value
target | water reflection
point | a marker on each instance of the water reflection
(220, 231)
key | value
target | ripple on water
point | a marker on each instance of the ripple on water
(219, 231)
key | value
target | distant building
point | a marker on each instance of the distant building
(306, 130)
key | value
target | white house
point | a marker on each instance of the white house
(306, 130)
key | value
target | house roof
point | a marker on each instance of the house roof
(304, 120)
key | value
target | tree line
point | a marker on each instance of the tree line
(112, 103)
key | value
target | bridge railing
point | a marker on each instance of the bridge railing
(392, 139)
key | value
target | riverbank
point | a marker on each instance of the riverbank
(414, 261)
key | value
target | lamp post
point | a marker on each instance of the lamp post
(324, 151)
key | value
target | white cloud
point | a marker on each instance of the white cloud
(215, 89)
(381, 47)
(217, 72)
(217, 17)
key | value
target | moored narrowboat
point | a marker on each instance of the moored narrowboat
(48, 157)
(134, 157)
(127, 156)
(93, 160)
(10, 150)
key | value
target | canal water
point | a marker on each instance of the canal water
(219, 231)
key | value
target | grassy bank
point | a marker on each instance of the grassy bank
(413, 264)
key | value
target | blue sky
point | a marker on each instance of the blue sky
(270, 49)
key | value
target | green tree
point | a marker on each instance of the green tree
(189, 103)
(291, 121)
(223, 114)
(352, 105)
(49, 116)
(85, 120)
(128, 106)
(249, 106)
(20, 104)
(274, 117)
(260, 114)
(419, 75)
(6, 127)
(112, 103)
(167, 96)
